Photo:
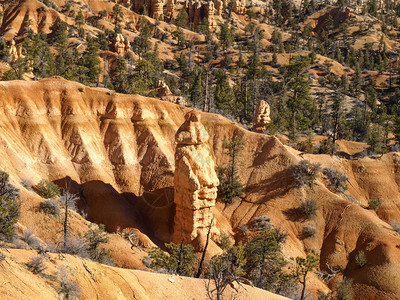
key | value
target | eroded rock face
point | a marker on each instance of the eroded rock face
(239, 7)
(157, 9)
(219, 5)
(164, 93)
(13, 51)
(195, 182)
(119, 44)
(170, 9)
(262, 117)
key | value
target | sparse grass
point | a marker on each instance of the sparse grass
(361, 259)
(309, 208)
(305, 173)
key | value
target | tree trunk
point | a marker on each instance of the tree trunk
(66, 224)
(179, 258)
(200, 269)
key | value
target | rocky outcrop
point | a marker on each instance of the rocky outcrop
(261, 117)
(219, 5)
(120, 45)
(157, 9)
(15, 52)
(239, 7)
(195, 182)
(170, 9)
(164, 93)
(199, 10)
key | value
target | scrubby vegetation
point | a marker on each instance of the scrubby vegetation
(37, 264)
(258, 261)
(337, 180)
(305, 173)
(309, 231)
(361, 259)
(47, 189)
(51, 206)
(9, 207)
(374, 204)
(68, 289)
(309, 208)
(180, 260)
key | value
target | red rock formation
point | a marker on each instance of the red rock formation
(199, 10)
(261, 117)
(119, 44)
(219, 5)
(239, 7)
(164, 93)
(195, 182)
(13, 51)
(157, 9)
(170, 9)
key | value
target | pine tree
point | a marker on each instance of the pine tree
(230, 185)
(225, 36)
(117, 16)
(90, 60)
(196, 88)
(223, 95)
(119, 80)
(299, 103)
(141, 43)
(181, 19)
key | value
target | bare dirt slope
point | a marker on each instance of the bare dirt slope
(98, 281)
(119, 152)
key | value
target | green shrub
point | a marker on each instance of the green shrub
(9, 207)
(374, 204)
(180, 261)
(361, 259)
(309, 208)
(305, 173)
(47, 189)
(94, 237)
